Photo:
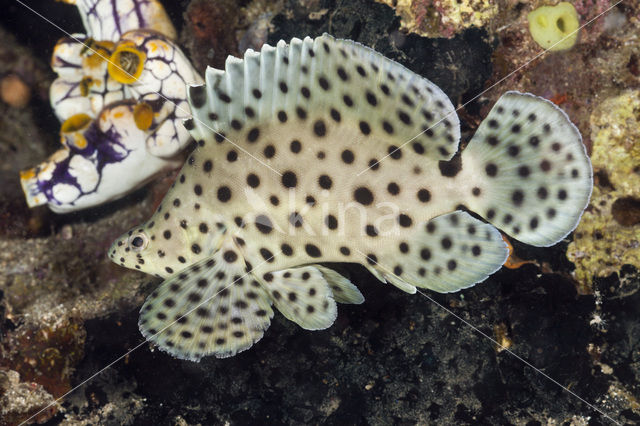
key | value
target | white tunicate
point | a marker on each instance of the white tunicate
(85, 173)
(162, 141)
(65, 193)
(174, 86)
(160, 69)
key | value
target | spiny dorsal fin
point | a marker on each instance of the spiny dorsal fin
(338, 81)
(212, 307)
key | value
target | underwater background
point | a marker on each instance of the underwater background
(572, 310)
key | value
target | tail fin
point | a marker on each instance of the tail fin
(531, 174)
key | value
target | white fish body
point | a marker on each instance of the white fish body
(322, 150)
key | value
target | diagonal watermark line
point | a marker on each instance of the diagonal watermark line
(489, 88)
(483, 334)
(177, 107)
(115, 361)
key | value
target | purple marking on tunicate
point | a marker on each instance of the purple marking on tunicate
(66, 63)
(92, 9)
(67, 95)
(116, 18)
(60, 175)
(100, 146)
(141, 22)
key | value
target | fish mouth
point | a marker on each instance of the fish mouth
(116, 249)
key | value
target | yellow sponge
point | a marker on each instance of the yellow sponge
(551, 24)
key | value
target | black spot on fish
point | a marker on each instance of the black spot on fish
(224, 194)
(287, 250)
(253, 135)
(289, 179)
(312, 250)
(325, 182)
(424, 195)
(363, 195)
(232, 156)
(319, 128)
(452, 167)
(264, 224)
(253, 180)
(347, 156)
(230, 256)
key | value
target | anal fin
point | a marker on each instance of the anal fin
(212, 307)
(449, 253)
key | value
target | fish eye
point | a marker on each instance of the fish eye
(138, 241)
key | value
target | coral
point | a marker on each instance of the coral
(46, 354)
(442, 18)
(19, 401)
(554, 27)
(608, 236)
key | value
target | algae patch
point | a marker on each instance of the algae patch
(608, 235)
(442, 18)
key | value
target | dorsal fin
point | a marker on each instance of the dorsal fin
(337, 80)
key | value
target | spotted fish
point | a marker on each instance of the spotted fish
(323, 150)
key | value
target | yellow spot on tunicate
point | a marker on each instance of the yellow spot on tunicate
(126, 63)
(105, 44)
(554, 27)
(87, 46)
(97, 58)
(143, 115)
(118, 114)
(28, 174)
(84, 85)
(80, 141)
(57, 157)
(75, 122)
